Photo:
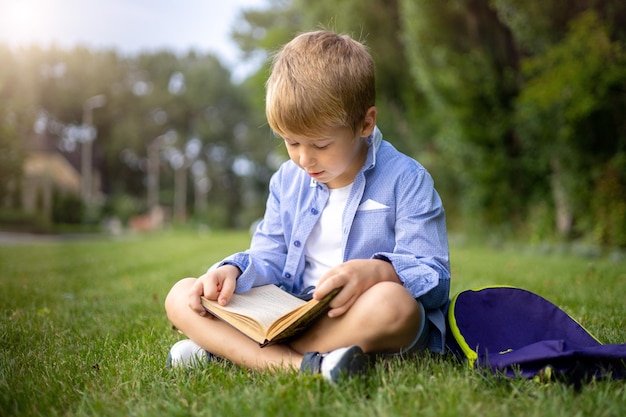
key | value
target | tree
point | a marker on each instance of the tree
(192, 101)
(15, 114)
(567, 113)
(525, 99)
(149, 96)
(465, 60)
(569, 110)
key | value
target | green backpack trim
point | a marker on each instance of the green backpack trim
(470, 353)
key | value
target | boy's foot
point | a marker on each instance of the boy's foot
(186, 353)
(346, 361)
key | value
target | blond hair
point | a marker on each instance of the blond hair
(319, 80)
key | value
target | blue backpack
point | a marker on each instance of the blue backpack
(516, 333)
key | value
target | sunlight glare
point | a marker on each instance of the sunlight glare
(23, 20)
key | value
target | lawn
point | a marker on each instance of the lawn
(83, 332)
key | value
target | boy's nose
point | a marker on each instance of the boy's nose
(306, 158)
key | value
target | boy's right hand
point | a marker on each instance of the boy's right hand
(218, 284)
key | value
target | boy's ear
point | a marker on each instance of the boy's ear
(369, 122)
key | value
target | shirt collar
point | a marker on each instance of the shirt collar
(374, 140)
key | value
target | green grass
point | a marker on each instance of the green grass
(83, 332)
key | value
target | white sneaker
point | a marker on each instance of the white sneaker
(346, 361)
(186, 353)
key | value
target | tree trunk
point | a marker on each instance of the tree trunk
(562, 202)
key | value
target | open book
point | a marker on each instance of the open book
(268, 314)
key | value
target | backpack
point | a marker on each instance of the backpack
(516, 333)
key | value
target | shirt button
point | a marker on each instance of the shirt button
(297, 243)
(287, 275)
(314, 211)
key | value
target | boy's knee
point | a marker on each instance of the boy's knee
(177, 296)
(388, 316)
(394, 306)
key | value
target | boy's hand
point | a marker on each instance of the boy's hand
(355, 276)
(218, 284)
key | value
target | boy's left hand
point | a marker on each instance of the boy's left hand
(354, 277)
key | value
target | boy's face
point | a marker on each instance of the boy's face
(334, 158)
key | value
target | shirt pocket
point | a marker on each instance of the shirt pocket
(372, 205)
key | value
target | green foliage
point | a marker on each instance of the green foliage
(14, 117)
(524, 98)
(567, 113)
(147, 97)
(67, 208)
(462, 57)
(19, 221)
(11, 160)
(539, 24)
(608, 207)
(123, 207)
(84, 333)
(558, 86)
(515, 106)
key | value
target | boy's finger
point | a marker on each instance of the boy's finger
(210, 291)
(326, 286)
(228, 288)
(320, 291)
(194, 299)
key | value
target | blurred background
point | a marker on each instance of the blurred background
(137, 115)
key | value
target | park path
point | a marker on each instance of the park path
(12, 238)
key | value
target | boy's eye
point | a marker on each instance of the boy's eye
(319, 147)
(323, 144)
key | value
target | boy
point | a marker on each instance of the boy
(346, 211)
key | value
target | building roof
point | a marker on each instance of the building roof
(52, 165)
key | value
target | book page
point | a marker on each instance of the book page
(297, 321)
(265, 304)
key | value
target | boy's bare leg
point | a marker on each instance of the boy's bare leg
(385, 318)
(220, 338)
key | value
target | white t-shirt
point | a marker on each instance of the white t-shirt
(323, 248)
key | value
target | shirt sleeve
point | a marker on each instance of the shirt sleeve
(421, 256)
(264, 261)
